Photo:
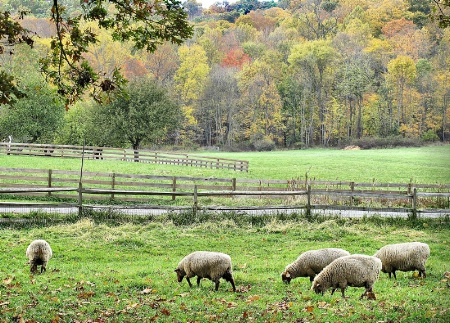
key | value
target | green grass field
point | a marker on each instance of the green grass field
(400, 165)
(125, 273)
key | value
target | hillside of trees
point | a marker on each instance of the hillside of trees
(255, 75)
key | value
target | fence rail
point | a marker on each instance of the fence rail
(296, 194)
(122, 154)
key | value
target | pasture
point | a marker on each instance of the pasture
(124, 272)
(429, 164)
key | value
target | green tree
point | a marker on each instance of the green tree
(35, 118)
(145, 115)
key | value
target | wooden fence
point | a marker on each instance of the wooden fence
(122, 154)
(97, 187)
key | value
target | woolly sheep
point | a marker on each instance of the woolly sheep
(407, 256)
(39, 253)
(310, 263)
(355, 271)
(206, 264)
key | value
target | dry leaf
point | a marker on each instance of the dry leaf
(308, 309)
(252, 298)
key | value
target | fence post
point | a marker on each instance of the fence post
(414, 204)
(174, 186)
(352, 188)
(233, 184)
(195, 205)
(113, 185)
(80, 199)
(308, 200)
(49, 181)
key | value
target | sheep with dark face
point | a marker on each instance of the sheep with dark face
(38, 253)
(407, 256)
(354, 271)
(311, 262)
(206, 264)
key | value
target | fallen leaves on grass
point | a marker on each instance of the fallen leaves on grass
(252, 299)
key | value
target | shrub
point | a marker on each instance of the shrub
(264, 144)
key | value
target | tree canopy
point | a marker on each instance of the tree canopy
(146, 24)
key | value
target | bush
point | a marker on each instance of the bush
(264, 144)
(430, 135)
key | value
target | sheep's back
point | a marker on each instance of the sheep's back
(39, 249)
(207, 264)
(355, 270)
(316, 260)
(403, 256)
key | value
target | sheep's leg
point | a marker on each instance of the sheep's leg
(33, 268)
(367, 290)
(395, 276)
(343, 292)
(217, 283)
(189, 281)
(198, 280)
(43, 267)
(228, 277)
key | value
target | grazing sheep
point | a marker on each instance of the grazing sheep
(310, 263)
(407, 256)
(354, 271)
(39, 253)
(206, 264)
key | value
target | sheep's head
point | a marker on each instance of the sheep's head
(180, 274)
(286, 277)
(318, 288)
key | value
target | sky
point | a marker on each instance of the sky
(208, 3)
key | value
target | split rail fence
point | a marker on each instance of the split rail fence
(147, 191)
(122, 154)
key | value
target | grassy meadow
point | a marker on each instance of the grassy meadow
(125, 273)
(429, 164)
(119, 271)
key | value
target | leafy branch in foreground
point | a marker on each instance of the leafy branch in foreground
(146, 24)
(441, 13)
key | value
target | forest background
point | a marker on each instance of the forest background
(254, 76)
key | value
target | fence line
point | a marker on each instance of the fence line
(301, 194)
(123, 154)
(307, 208)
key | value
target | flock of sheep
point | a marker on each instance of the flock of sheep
(326, 268)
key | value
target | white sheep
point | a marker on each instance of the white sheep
(407, 256)
(310, 263)
(206, 264)
(355, 271)
(39, 253)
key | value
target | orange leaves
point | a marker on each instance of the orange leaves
(236, 58)
(252, 299)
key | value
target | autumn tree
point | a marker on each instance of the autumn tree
(260, 116)
(218, 106)
(401, 72)
(314, 59)
(190, 80)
